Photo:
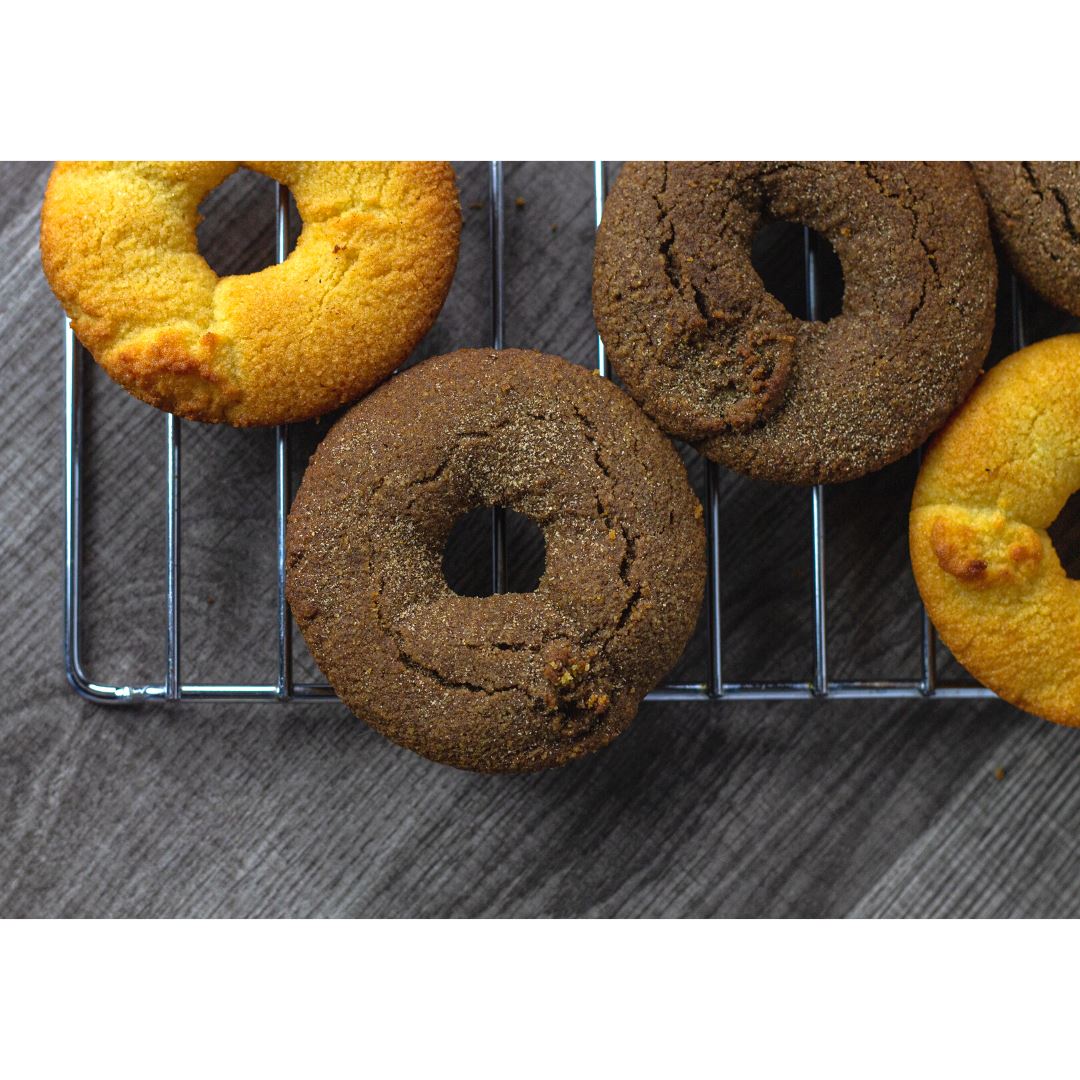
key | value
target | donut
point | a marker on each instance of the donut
(1035, 211)
(990, 486)
(366, 279)
(517, 681)
(719, 362)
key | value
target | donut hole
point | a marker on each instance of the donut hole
(1065, 536)
(238, 231)
(467, 555)
(778, 254)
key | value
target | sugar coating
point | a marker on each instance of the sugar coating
(718, 361)
(510, 682)
(1035, 211)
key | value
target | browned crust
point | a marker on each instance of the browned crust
(367, 278)
(719, 362)
(502, 683)
(990, 485)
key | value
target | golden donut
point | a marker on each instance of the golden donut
(370, 270)
(991, 484)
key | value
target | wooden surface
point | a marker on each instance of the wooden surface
(834, 808)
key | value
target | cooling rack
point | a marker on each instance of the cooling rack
(815, 684)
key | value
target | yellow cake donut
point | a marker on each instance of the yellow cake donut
(991, 484)
(369, 273)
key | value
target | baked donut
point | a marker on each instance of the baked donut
(990, 486)
(511, 682)
(369, 273)
(718, 361)
(1035, 211)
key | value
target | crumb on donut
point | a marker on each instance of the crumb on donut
(984, 549)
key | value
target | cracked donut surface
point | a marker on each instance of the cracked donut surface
(510, 682)
(720, 363)
(370, 270)
(1035, 210)
(990, 486)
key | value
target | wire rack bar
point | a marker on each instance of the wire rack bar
(498, 334)
(805, 691)
(599, 194)
(283, 688)
(282, 484)
(712, 590)
(172, 557)
(73, 433)
(817, 493)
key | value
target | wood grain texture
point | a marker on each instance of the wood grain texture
(833, 809)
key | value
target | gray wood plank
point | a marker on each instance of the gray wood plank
(832, 809)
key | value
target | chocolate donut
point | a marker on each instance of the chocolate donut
(512, 682)
(718, 361)
(1035, 211)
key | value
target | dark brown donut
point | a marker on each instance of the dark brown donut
(1035, 211)
(719, 362)
(519, 681)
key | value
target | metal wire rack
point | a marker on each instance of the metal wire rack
(817, 684)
